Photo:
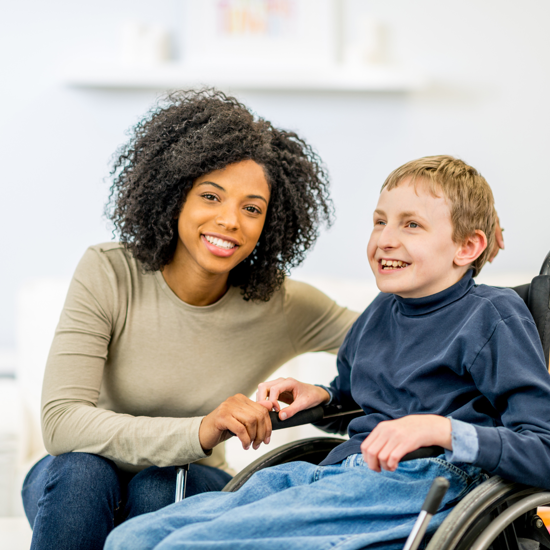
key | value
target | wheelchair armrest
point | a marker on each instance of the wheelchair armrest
(307, 416)
(310, 416)
(424, 452)
(315, 414)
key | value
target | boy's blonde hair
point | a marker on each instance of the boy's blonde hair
(469, 196)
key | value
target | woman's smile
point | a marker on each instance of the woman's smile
(220, 245)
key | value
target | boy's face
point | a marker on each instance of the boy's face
(411, 250)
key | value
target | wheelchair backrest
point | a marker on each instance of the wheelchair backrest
(537, 297)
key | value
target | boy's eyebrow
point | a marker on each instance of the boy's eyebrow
(406, 214)
(410, 214)
(222, 189)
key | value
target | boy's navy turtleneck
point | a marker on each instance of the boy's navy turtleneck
(412, 307)
(471, 352)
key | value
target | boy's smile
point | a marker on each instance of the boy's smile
(411, 251)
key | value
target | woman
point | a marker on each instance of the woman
(163, 334)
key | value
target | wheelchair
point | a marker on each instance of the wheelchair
(497, 515)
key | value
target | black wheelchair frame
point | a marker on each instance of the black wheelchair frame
(497, 515)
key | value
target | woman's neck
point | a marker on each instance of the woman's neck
(192, 286)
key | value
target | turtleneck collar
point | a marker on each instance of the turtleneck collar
(420, 306)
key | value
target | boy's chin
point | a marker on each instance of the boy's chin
(393, 287)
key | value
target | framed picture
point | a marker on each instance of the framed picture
(262, 34)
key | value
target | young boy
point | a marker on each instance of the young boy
(434, 360)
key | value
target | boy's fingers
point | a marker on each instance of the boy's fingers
(295, 407)
(370, 449)
(263, 389)
(266, 404)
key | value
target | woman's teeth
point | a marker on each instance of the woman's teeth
(219, 242)
(393, 264)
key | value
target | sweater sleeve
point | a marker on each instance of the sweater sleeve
(510, 371)
(315, 321)
(71, 419)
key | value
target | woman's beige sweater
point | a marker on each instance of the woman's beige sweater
(133, 369)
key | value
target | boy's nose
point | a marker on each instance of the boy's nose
(388, 238)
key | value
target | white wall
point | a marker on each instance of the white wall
(488, 60)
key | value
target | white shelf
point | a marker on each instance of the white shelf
(173, 76)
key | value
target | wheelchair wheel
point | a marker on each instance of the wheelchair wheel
(484, 513)
(312, 450)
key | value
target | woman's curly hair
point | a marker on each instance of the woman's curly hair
(191, 133)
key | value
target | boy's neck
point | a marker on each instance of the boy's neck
(432, 302)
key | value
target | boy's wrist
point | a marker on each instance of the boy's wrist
(445, 433)
(326, 394)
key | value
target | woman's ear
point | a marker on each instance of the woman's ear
(471, 248)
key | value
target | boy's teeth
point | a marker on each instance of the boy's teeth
(390, 264)
(219, 242)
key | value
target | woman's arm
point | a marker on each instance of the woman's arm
(94, 314)
(315, 322)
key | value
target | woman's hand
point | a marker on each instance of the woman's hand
(499, 241)
(237, 415)
(391, 440)
(298, 395)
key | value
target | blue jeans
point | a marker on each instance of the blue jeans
(75, 500)
(300, 506)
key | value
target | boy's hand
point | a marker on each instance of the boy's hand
(391, 440)
(237, 415)
(298, 395)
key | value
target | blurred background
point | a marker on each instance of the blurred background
(370, 84)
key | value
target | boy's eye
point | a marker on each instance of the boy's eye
(413, 225)
(379, 222)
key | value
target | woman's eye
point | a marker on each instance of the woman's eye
(253, 209)
(379, 222)
(209, 196)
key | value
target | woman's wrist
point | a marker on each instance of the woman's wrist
(205, 435)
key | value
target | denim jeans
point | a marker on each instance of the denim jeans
(75, 500)
(300, 506)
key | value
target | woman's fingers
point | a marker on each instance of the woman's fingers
(240, 416)
(255, 420)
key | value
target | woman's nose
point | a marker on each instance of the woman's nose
(228, 218)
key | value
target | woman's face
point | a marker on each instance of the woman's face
(223, 217)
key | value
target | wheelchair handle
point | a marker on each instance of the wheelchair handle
(435, 495)
(429, 508)
(306, 416)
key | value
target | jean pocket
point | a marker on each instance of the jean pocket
(462, 477)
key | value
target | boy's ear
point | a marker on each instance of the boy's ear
(471, 248)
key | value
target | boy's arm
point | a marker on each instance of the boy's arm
(303, 396)
(510, 371)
